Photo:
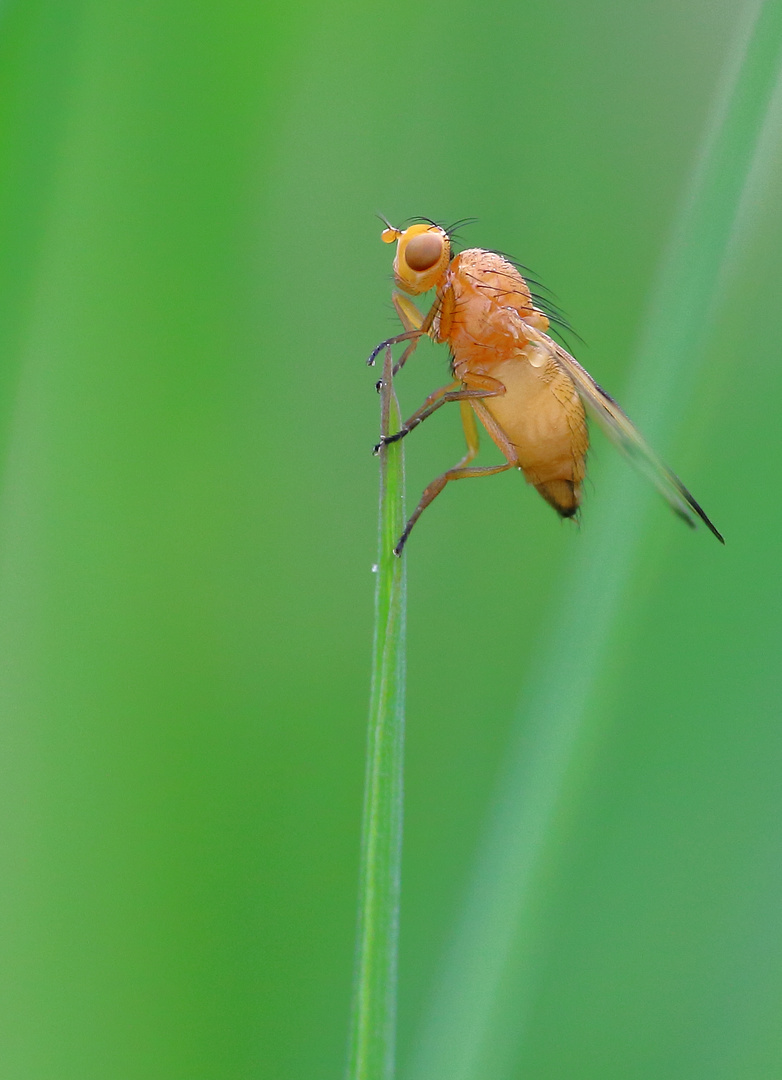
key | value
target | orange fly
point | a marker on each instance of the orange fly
(527, 391)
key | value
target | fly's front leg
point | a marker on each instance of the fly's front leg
(409, 315)
(415, 326)
(407, 336)
(412, 320)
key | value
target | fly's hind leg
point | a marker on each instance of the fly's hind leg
(462, 470)
(436, 486)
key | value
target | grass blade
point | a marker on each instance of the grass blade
(373, 1028)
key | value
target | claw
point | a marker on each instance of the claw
(375, 353)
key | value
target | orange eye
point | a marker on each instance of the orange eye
(422, 252)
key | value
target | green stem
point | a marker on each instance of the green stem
(373, 1027)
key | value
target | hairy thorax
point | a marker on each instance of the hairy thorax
(479, 307)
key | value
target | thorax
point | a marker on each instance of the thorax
(480, 303)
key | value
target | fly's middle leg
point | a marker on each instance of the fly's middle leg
(453, 392)
(469, 387)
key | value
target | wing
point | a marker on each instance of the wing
(624, 434)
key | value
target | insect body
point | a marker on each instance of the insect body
(527, 391)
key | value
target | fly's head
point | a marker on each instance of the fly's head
(422, 256)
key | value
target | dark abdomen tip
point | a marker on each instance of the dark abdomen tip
(563, 495)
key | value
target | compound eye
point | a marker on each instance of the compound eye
(424, 251)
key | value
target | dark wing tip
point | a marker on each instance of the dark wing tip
(717, 533)
(704, 517)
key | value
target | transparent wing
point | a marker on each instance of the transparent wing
(624, 434)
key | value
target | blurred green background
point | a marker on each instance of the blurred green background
(191, 276)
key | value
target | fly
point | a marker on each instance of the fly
(528, 392)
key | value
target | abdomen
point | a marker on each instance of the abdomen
(543, 417)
